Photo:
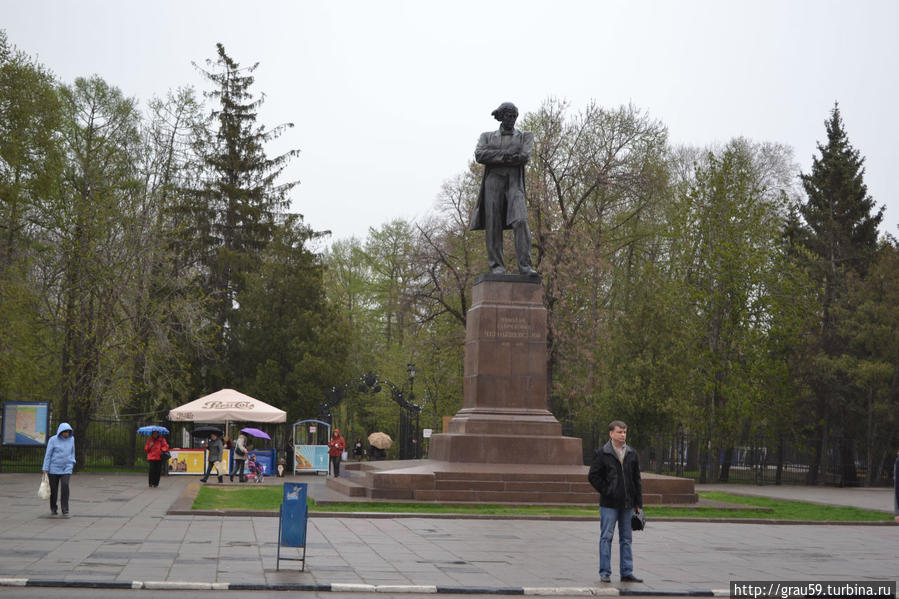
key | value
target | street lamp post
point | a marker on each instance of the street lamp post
(414, 450)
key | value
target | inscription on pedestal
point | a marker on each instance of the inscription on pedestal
(512, 327)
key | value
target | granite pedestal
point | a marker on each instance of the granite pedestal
(504, 445)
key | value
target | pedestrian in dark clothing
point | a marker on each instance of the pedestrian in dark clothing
(358, 449)
(215, 448)
(154, 447)
(615, 474)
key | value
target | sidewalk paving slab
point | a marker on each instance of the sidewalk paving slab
(120, 533)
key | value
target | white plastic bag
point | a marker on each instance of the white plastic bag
(344, 456)
(44, 490)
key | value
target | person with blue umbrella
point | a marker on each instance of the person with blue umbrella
(155, 447)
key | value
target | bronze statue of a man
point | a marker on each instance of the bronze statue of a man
(501, 202)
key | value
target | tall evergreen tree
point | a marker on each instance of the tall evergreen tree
(842, 231)
(841, 237)
(241, 200)
(292, 342)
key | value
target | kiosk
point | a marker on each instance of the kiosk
(310, 450)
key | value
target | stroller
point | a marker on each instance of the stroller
(255, 468)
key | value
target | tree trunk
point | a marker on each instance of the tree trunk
(724, 475)
(778, 475)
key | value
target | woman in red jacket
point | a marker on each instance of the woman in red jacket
(335, 449)
(154, 448)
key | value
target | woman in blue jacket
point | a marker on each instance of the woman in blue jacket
(58, 463)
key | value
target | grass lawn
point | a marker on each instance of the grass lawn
(269, 498)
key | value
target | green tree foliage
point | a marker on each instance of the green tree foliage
(840, 234)
(30, 170)
(725, 250)
(236, 210)
(280, 338)
(30, 116)
(120, 278)
(390, 252)
(165, 309)
(398, 318)
(842, 231)
(449, 255)
(869, 321)
(293, 342)
(90, 220)
(591, 177)
(347, 285)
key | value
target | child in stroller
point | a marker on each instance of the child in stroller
(255, 468)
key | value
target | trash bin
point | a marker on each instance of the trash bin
(292, 519)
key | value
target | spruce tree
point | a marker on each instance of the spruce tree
(240, 203)
(841, 238)
(843, 232)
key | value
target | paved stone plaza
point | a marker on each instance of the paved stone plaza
(119, 530)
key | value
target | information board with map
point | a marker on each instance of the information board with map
(25, 422)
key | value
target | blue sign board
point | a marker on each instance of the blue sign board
(292, 519)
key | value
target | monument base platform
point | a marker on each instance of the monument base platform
(505, 448)
(460, 482)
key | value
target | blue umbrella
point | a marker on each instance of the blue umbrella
(146, 430)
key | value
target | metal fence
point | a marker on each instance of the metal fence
(115, 446)
(755, 460)
(105, 446)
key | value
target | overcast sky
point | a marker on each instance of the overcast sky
(389, 97)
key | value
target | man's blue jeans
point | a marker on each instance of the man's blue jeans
(608, 517)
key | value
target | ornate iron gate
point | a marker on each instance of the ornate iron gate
(409, 434)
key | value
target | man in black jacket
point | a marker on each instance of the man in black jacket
(615, 474)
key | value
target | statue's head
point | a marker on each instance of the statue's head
(507, 114)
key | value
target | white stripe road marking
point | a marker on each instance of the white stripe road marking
(572, 591)
(344, 587)
(184, 586)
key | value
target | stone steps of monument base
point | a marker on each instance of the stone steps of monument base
(514, 476)
(512, 485)
(351, 488)
(469, 496)
(347, 487)
(671, 498)
(483, 496)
